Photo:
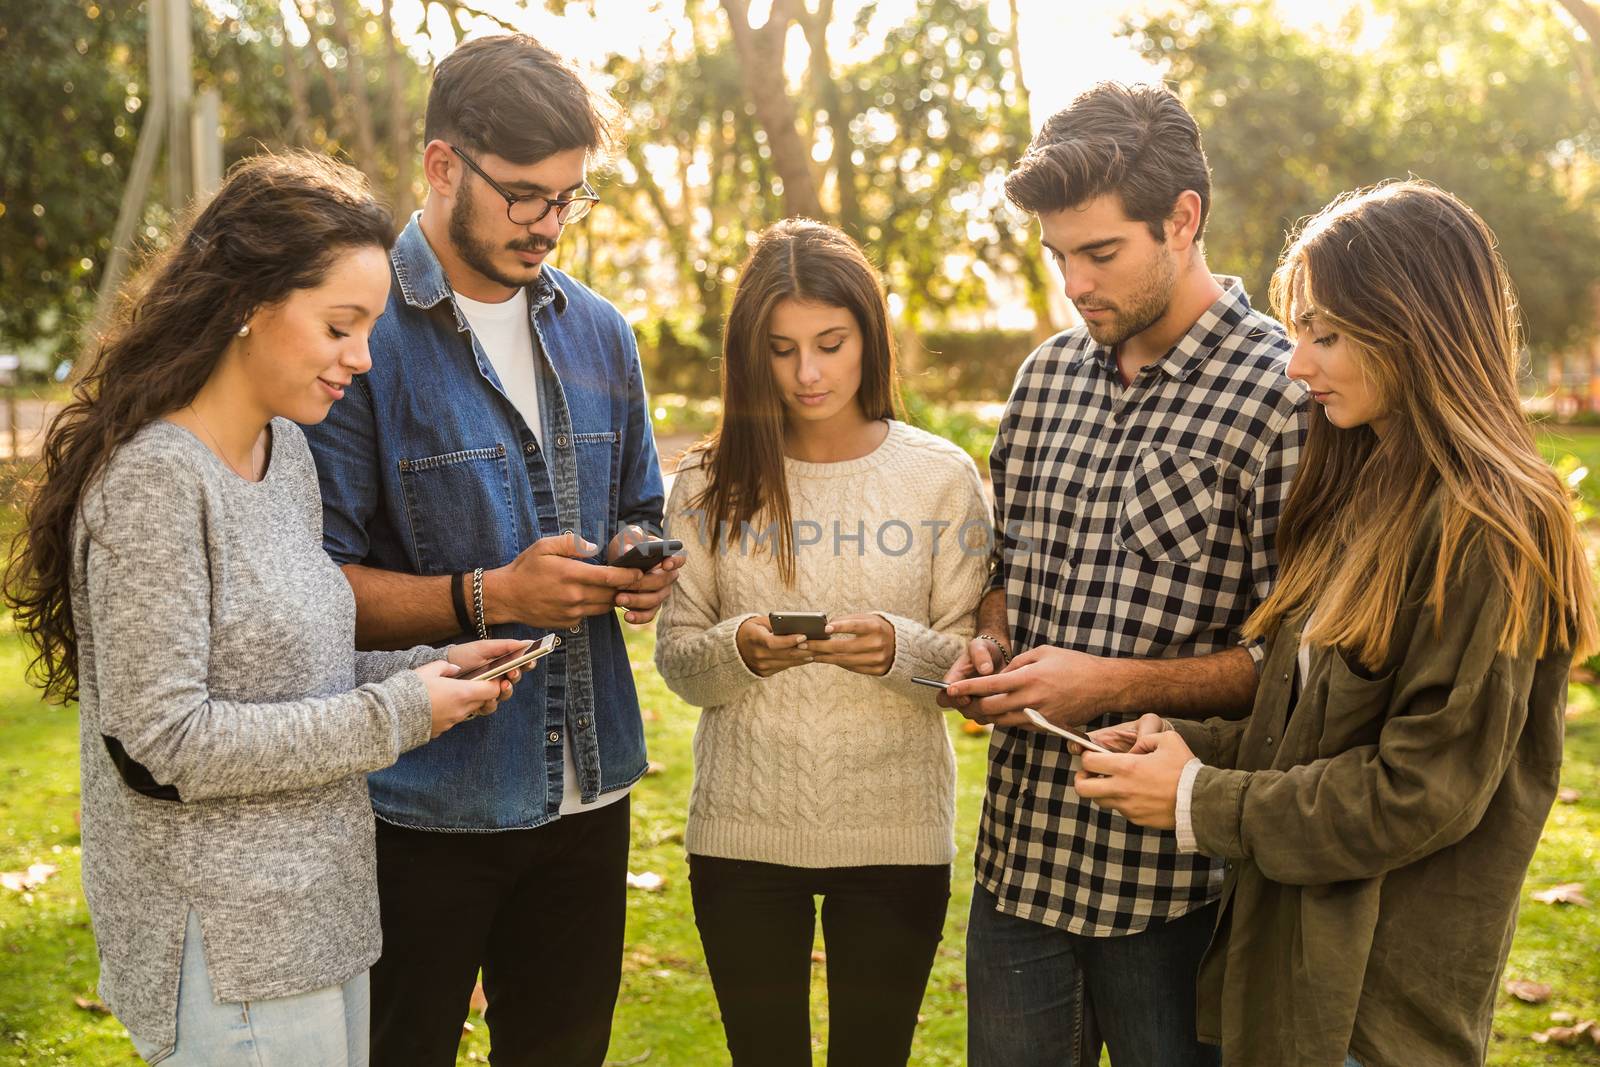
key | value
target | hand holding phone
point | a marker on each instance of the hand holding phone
(503, 665)
(646, 555)
(812, 624)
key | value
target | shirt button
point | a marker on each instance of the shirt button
(578, 629)
(561, 440)
(558, 641)
(530, 448)
(583, 722)
(554, 737)
(1269, 740)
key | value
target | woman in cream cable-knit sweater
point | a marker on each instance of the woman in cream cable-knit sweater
(820, 768)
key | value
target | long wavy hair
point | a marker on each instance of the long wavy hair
(275, 226)
(796, 259)
(1411, 276)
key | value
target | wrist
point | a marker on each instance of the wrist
(496, 596)
(1000, 644)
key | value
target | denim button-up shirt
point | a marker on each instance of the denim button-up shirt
(427, 468)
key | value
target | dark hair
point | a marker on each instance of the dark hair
(274, 227)
(803, 260)
(513, 97)
(1137, 141)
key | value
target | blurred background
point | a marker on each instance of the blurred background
(897, 120)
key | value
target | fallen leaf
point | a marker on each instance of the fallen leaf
(1528, 992)
(818, 956)
(654, 768)
(1562, 1017)
(25, 881)
(1569, 796)
(1566, 893)
(1568, 1035)
(92, 1005)
(973, 728)
(466, 1028)
(479, 1003)
(649, 881)
(649, 714)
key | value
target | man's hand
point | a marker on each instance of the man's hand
(1068, 688)
(550, 586)
(1141, 786)
(868, 650)
(645, 597)
(767, 653)
(982, 657)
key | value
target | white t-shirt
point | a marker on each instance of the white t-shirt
(506, 334)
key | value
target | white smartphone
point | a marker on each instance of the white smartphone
(1045, 724)
(530, 653)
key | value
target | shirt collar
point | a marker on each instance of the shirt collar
(1198, 343)
(423, 283)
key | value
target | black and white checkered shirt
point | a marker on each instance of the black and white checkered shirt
(1132, 520)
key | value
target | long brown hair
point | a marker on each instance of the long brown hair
(802, 260)
(1410, 275)
(274, 227)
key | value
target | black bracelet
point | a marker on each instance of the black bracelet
(458, 597)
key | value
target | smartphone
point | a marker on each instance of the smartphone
(647, 554)
(1045, 724)
(814, 624)
(529, 653)
(931, 683)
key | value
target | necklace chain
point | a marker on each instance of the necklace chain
(222, 453)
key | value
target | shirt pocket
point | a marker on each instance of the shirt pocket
(1356, 707)
(1169, 505)
(456, 505)
(599, 460)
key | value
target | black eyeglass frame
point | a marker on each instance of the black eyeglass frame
(568, 209)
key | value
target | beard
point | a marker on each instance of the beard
(1143, 307)
(479, 254)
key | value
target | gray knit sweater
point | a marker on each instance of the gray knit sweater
(216, 644)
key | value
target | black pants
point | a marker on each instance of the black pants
(542, 911)
(881, 926)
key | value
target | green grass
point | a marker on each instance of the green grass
(666, 1008)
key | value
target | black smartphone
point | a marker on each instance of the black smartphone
(931, 683)
(647, 554)
(522, 657)
(814, 624)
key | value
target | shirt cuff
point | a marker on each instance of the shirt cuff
(1185, 826)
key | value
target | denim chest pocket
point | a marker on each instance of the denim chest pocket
(1169, 506)
(457, 502)
(599, 461)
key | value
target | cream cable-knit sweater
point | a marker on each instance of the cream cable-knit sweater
(818, 766)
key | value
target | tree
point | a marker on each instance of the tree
(1480, 97)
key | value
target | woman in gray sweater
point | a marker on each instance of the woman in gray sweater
(173, 580)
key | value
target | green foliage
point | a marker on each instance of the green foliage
(71, 78)
(1482, 97)
(967, 364)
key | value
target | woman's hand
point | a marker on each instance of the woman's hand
(767, 653)
(1142, 785)
(868, 650)
(453, 701)
(1126, 736)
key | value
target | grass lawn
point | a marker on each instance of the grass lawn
(666, 1015)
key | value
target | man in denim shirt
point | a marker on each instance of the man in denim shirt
(501, 436)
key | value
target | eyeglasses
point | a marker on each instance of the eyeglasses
(527, 210)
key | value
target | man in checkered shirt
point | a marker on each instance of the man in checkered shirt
(1139, 472)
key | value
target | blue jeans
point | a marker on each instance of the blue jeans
(326, 1027)
(1038, 996)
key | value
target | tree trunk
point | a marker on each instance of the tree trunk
(826, 88)
(294, 75)
(360, 104)
(402, 150)
(761, 68)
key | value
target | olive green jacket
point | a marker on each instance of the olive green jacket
(1377, 835)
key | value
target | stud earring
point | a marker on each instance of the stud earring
(244, 331)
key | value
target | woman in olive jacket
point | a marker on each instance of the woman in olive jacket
(1380, 805)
